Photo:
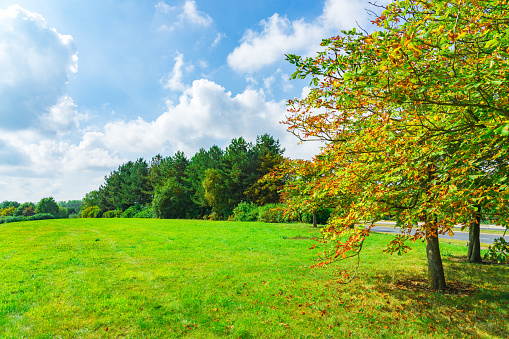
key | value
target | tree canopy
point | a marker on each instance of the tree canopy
(416, 119)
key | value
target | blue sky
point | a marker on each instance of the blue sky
(88, 85)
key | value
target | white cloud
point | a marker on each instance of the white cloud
(62, 117)
(191, 14)
(280, 36)
(188, 14)
(163, 7)
(36, 62)
(218, 39)
(174, 79)
(205, 114)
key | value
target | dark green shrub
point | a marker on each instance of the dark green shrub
(112, 214)
(40, 216)
(245, 211)
(8, 219)
(131, 211)
(146, 212)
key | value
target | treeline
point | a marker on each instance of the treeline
(209, 185)
(46, 208)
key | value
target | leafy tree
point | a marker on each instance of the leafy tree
(6, 204)
(127, 186)
(195, 175)
(172, 200)
(268, 155)
(216, 192)
(415, 116)
(47, 205)
(25, 209)
(161, 169)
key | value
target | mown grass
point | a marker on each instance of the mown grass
(143, 278)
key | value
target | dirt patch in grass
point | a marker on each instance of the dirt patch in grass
(298, 237)
(418, 284)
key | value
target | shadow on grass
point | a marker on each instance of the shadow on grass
(475, 304)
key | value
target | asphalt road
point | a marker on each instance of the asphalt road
(485, 238)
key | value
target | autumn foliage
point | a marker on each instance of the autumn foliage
(415, 117)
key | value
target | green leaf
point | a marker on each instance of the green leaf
(491, 43)
(502, 130)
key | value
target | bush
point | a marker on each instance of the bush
(8, 219)
(112, 214)
(131, 211)
(146, 212)
(245, 211)
(272, 213)
(91, 212)
(499, 251)
(40, 216)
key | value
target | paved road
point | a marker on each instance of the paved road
(485, 238)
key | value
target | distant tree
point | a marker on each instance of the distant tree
(48, 205)
(72, 206)
(9, 211)
(6, 204)
(28, 211)
(20, 210)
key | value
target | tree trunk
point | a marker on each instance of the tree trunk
(436, 277)
(314, 219)
(474, 242)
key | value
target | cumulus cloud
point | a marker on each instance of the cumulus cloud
(62, 117)
(36, 63)
(279, 35)
(206, 113)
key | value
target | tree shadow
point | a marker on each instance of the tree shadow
(475, 304)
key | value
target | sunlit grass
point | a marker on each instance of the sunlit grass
(139, 278)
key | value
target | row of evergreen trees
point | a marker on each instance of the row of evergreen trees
(212, 183)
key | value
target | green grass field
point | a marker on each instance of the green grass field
(146, 278)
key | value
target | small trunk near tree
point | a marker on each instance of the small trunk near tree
(474, 241)
(436, 277)
(314, 219)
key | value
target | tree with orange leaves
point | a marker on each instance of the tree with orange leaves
(415, 117)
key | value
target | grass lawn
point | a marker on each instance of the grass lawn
(147, 278)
